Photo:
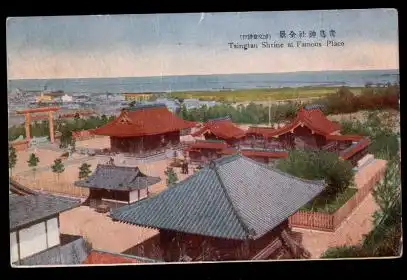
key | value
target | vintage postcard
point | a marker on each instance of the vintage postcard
(204, 137)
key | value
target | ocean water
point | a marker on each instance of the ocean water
(208, 82)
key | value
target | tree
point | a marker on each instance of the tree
(320, 165)
(172, 177)
(33, 161)
(66, 138)
(12, 158)
(58, 167)
(84, 171)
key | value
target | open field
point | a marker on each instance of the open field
(260, 94)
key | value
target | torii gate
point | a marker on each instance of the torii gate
(27, 115)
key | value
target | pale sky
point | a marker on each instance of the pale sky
(195, 44)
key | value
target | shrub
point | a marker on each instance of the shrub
(319, 165)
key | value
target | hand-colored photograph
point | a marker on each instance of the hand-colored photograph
(204, 137)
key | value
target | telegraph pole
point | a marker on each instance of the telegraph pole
(269, 112)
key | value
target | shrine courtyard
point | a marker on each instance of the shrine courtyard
(46, 180)
(100, 230)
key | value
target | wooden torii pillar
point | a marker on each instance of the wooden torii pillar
(27, 113)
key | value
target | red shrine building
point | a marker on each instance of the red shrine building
(144, 129)
(310, 130)
(221, 129)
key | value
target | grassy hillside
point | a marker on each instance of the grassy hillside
(260, 94)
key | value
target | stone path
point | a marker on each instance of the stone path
(354, 227)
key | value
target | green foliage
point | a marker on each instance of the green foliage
(172, 177)
(12, 158)
(58, 167)
(346, 101)
(84, 171)
(66, 138)
(319, 165)
(33, 160)
(344, 252)
(40, 129)
(252, 113)
(384, 142)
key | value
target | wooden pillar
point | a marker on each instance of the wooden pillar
(27, 126)
(51, 127)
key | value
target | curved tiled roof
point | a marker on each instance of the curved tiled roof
(208, 144)
(30, 208)
(353, 149)
(232, 198)
(222, 128)
(314, 119)
(143, 120)
(117, 178)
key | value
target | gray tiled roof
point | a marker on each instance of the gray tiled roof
(117, 178)
(234, 198)
(72, 253)
(30, 208)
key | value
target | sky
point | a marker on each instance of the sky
(196, 44)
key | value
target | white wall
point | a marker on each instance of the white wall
(143, 193)
(53, 232)
(13, 247)
(32, 240)
(133, 195)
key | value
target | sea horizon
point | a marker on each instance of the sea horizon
(208, 82)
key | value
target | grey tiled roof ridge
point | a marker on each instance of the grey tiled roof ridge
(135, 168)
(227, 159)
(246, 229)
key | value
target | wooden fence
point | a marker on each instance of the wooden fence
(57, 188)
(330, 222)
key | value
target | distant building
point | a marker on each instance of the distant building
(44, 98)
(136, 96)
(66, 98)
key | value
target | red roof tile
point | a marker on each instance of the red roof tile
(144, 121)
(215, 145)
(314, 119)
(264, 131)
(96, 257)
(223, 129)
(349, 152)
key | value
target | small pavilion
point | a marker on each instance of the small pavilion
(117, 185)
